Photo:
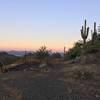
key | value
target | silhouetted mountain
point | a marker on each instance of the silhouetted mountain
(7, 58)
(16, 53)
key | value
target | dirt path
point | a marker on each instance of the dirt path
(46, 86)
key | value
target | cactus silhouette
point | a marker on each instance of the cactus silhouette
(64, 51)
(84, 32)
(94, 34)
(99, 29)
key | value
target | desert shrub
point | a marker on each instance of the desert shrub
(8, 58)
(89, 49)
(56, 55)
(83, 75)
(74, 52)
(42, 53)
(80, 49)
(92, 48)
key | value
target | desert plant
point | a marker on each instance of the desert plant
(84, 32)
(94, 34)
(7, 58)
(64, 51)
(83, 75)
(1, 66)
(72, 53)
(42, 53)
(25, 56)
(99, 29)
(56, 55)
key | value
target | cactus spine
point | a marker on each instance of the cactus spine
(84, 32)
(94, 34)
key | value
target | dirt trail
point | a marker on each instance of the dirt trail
(52, 85)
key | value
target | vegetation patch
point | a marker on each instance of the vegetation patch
(83, 75)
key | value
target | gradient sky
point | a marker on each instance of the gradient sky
(29, 24)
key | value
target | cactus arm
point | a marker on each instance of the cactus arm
(94, 26)
(87, 31)
(91, 33)
(82, 33)
(85, 26)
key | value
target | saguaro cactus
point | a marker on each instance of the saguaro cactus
(94, 34)
(64, 51)
(84, 32)
(99, 29)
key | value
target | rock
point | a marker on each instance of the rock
(90, 58)
(70, 90)
(43, 65)
(97, 96)
(31, 69)
(25, 70)
(82, 85)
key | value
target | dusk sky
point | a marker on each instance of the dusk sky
(29, 24)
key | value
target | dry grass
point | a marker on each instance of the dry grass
(54, 85)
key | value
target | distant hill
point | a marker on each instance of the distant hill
(18, 53)
(8, 58)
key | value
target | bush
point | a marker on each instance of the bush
(83, 75)
(42, 53)
(8, 58)
(56, 55)
(80, 49)
(74, 52)
(89, 49)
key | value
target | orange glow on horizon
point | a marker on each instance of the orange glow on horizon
(32, 47)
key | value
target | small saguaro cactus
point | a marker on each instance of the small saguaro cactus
(64, 51)
(84, 32)
(94, 34)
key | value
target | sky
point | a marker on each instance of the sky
(30, 24)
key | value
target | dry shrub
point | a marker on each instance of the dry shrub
(83, 75)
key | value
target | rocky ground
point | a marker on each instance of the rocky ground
(57, 84)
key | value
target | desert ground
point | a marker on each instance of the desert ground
(58, 83)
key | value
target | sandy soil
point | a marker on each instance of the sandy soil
(52, 85)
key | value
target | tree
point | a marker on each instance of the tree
(42, 53)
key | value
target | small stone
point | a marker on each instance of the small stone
(82, 85)
(97, 96)
(69, 90)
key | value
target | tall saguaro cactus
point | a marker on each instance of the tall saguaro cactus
(94, 34)
(84, 32)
